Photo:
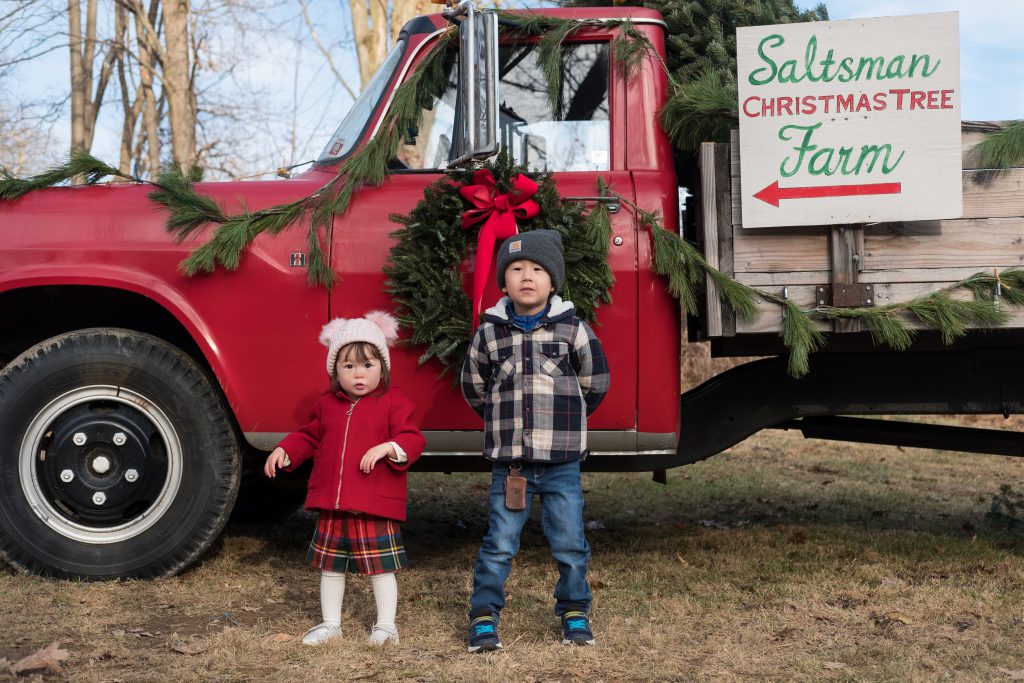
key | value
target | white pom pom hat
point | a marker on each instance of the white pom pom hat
(377, 328)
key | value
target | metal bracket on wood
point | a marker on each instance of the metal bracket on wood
(845, 296)
(853, 296)
(846, 244)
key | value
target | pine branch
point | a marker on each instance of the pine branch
(80, 164)
(801, 337)
(1002, 149)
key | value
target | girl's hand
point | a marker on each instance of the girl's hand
(376, 453)
(274, 461)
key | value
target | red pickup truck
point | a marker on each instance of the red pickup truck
(131, 396)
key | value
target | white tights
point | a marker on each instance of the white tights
(385, 594)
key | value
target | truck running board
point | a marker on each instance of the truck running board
(912, 434)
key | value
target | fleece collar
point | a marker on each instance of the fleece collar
(557, 310)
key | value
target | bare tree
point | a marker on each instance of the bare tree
(376, 24)
(86, 92)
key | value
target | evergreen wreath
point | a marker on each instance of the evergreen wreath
(424, 274)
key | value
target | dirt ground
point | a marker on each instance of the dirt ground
(782, 559)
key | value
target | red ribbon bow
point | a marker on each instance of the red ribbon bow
(499, 213)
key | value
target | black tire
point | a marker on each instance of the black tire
(117, 457)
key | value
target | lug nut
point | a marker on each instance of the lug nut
(120, 439)
(79, 438)
(131, 476)
(67, 475)
(99, 498)
(101, 465)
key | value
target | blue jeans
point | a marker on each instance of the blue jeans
(561, 494)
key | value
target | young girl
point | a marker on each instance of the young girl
(354, 426)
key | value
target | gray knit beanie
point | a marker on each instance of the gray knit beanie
(540, 246)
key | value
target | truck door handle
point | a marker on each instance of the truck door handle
(612, 202)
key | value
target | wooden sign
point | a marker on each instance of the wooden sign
(850, 121)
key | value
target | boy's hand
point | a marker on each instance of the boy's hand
(274, 461)
(376, 453)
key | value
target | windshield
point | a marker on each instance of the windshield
(350, 130)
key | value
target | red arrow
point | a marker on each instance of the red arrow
(773, 193)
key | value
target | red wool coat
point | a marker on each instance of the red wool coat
(337, 436)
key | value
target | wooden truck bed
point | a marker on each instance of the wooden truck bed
(898, 260)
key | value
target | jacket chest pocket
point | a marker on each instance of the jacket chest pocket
(504, 361)
(552, 358)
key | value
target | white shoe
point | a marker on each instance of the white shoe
(382, 634)
(320, 633)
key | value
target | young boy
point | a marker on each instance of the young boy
(533, 372)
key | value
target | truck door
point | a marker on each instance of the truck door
(578, 141)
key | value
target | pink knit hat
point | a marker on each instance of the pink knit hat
(377, 328)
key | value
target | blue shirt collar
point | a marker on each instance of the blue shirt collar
(525, 322)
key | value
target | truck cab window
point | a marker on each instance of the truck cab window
(574, 135)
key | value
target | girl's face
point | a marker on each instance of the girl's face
(357, 377)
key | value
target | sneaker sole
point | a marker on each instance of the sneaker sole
(486, 647)
(580, 641)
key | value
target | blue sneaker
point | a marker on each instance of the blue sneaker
(576, 629)
(483, 633)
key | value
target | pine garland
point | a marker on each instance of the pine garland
(80, 164)
(425, 280)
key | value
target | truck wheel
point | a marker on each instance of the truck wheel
(117, 457)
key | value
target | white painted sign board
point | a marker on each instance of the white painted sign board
(850, 121)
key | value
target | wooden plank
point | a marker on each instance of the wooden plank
(991, 194)
(771, 281)
(723, 185)
(846, 242)
(979, 243)
(771, 314)
(757, 251)
(709, 203)
(967, 142)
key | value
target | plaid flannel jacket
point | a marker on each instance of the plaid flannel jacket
(535, 389)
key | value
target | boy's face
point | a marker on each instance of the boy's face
(357, 378)
(528, 285)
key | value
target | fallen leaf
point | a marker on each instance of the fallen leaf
(48, 658)
(194, 649)
(250, 609)
(594, 524)
(280, 637)
(1012, 674)
(834, 666)
(889, 581)
(5, 664)
(680, 560)
(117, 632)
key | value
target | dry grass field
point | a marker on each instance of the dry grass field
(782, 559)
